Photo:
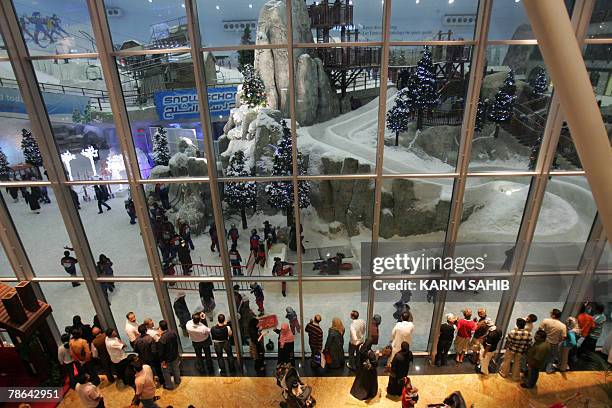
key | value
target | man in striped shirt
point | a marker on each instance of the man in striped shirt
(518, 342)
(315, 337)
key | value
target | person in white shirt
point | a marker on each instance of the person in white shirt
(402, 332)
(151, 330)
(131, 327)
(357, 337)
(199, 334)
(65, 359)
(116, 352)
(88, 393)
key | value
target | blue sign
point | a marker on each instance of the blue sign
(56, 103)
(183, 103)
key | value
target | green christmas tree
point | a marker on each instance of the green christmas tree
(539, 83)
(502, 107)
(253, 89)
(240, 194)
(398, 116)
(481, 114)
(30, 149)
(161, 152)
(422, 93)
(280, 193)
(4, 166)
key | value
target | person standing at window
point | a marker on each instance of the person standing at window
(357, 333)
(199, 334)
(221, 334)
(169, 357)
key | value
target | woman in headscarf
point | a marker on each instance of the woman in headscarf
(335, 344)
(256, 347)
(182, 311)
(374, 333)
(399, 369)
(285, 344)
(365, 386)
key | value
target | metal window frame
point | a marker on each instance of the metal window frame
(22, 64)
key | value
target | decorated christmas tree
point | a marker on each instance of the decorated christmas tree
(502, 108)
(280, 193)
(30, 149)
(422, 92)
(246, 57)
(240, 194)
(253, 89)
(4, 166)
(398, 116)
(481, 114)
(161, 153)
(539, 83)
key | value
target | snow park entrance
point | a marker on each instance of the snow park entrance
(311, 177)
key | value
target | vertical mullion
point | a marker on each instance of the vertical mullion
(580, 22)
(380, 149)
(102, 35)
(15, 252)
(41, 126)
(294, 165)
(200, 81)
(463, 157)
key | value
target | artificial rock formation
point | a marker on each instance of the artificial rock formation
(314, 103)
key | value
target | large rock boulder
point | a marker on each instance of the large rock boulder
(316, 103)
(492, 82)
(518, 55)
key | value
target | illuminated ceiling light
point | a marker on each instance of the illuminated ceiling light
(418, 1)
(250, 6)
(517, 1)
(150, 1)
(217, 7)
(451, 1)
(183, 5)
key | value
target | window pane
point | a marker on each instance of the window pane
(336, 107)
(111, 233)
(41, 231)
(600, 20)
(425, 109)
(3, 52)
(339, 21)
(415, 210)
(334, 299)
(63, 297)
(433, 20)
(602, 294)
(147, 25)
(137, 297)
(563, 226)
(78, 105)
(240, 23)
(61, 28)
(391, 304)
(338, 220)
(509, 22)
(513, 109)
(540, 295)
(605, 263)
(5, 267)
(161, 99)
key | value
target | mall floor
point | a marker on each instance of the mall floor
(483, 392)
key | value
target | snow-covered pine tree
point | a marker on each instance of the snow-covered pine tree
(239, 194)
(161, 152)
(280, 193)
(4, 166)
(481, 114)
(539, 83)
(253, 88)
(502, 108)
(398, 116)
(422, 90)
(30, 149)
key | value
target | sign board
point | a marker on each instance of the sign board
(56, 103)
(183, 103)
(267, 322)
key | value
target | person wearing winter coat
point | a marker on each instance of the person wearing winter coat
(235, 260)
(184, 256)
(131, 210)
(257, 291)
(14, 193)
(34, 199)
(101, 193)
(294, 323)
(207, 297)
(214, 238)
(254, 241)
(182, 311)
(105, 269)
(184, 231)
(233, 235)
(334, 345)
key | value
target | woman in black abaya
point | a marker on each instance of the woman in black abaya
(365, 386)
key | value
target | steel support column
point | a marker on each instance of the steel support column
(562, 54)
(42, 131)
(13, 248)
(211, 161)
(104, 43)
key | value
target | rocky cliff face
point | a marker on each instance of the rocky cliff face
(316, 98)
